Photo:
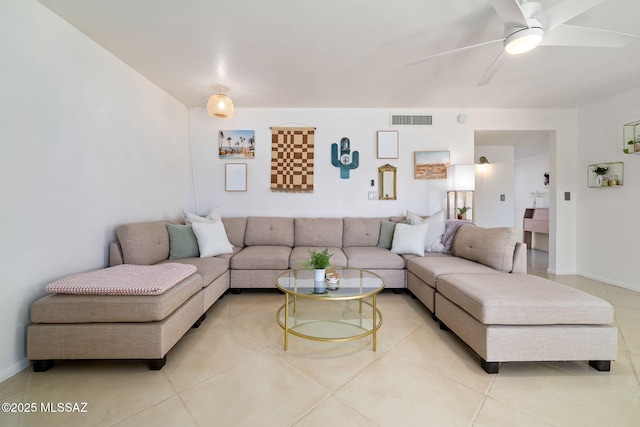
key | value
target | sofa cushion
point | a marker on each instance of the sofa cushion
(182, 241)
(361, 232)
(433, 241)
(520, 299)
(236, 227)
(318, 232)
(212, 239)
(61, 308)
(261, 258)
(373, 257)
(300, 253)
(489, 246)
(410, 239)
(432, 266)
(266, 231)
(209, 268)
(144, 242)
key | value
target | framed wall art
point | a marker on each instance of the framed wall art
(387, 141)
(236, 144)
(430, 164)
(235, 177)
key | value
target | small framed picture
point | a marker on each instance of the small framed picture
(235, 177)
(387, 144)
(430, 164)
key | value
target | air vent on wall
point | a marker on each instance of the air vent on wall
(405, 120)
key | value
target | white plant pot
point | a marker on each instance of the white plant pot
(319, 274)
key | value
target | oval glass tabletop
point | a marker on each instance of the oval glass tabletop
(352, 283)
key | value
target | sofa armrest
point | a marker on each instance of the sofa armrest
(520, 259)
(115, 254)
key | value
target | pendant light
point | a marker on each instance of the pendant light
(220, 106)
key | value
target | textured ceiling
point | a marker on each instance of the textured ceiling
(352, 53)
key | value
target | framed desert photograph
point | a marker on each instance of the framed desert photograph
(430, 164)
(236, 144)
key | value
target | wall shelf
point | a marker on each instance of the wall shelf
(613, 175)
(631, 138)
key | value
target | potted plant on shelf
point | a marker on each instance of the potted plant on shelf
(600, 171)
(631, 147)
(462, 211)
(317, 261)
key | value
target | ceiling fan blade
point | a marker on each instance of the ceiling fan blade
(493, 69)
(458, 50)
(562, 12)
(510, 12)
(571, 35)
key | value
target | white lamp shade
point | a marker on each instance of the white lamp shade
(220, 106)
(461, 178)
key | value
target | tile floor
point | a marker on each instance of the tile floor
(232, 371)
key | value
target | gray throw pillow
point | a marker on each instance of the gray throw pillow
(387, 228)
(182, 241)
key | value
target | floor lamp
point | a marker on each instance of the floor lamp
(461, 184)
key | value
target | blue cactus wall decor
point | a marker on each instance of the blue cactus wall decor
(346, 160)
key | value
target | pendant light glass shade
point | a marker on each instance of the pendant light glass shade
(220, 106)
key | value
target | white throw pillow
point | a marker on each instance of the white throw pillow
(437, 221)
(409, 239)
(212, 216)
(212, 238)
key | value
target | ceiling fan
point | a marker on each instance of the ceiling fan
(527, 25)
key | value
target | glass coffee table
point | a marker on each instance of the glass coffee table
(340, 312)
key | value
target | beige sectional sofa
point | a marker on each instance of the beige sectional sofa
(263, 247)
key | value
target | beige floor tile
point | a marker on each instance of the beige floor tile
(211, 351)
(260, 391)
(630, 300)
(12, 415)
(444, 353)
(16, 385)
(328, 364)
(628, 321)
(496, 414)
(563, 399)
(333, 413)
(112, 394)
(170, 413)
(393, 392)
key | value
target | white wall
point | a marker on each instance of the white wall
(493, 180)
(332, 196)
(336, 197)
(87, 143)
(607, 217)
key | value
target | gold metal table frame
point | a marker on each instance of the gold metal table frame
(356, 285)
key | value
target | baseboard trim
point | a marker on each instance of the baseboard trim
(7, 373)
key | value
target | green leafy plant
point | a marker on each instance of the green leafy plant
(631, 143)
(317, 260)
(463, 210)
(600, 170)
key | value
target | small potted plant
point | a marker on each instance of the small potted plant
(462, 211)
(600, 171)
(631, 147)
(317, 261)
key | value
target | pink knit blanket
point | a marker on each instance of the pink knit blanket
(125, 279)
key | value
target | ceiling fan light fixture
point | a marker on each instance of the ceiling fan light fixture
(523, 40)
(220, 106)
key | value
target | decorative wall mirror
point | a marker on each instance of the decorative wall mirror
(387, 182)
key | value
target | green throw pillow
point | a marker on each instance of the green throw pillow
(182, 241)
(387, 229)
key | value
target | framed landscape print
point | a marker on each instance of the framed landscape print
(235, 177)
(430, 164)
(236, 144)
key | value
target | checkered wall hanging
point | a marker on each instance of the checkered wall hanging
(292, 159)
